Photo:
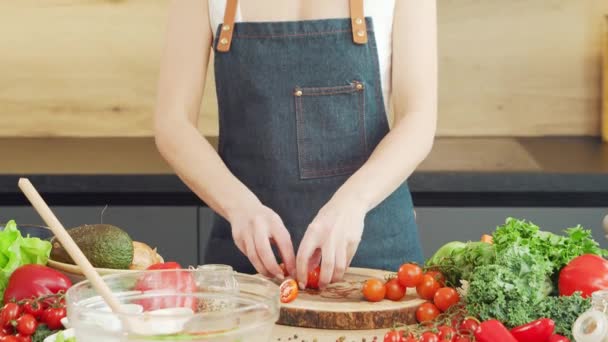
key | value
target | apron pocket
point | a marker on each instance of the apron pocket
(330, 129)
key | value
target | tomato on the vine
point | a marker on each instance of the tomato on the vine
(394, 290)
(9, 313)
(24, 338)
(27, 324)
(33, 308)
(463, 338)
(427, 287)
(374, 290)
(312, 281)
(426, 312)
(446, 333)
(409, 275)
(445, 297)
(438, 276)
(394, 336)
(52, 317)
(429, 337)
(468, 326)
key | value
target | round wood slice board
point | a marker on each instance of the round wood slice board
(341, 306)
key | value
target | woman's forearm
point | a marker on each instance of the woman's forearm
(199, 166)
(393, 160)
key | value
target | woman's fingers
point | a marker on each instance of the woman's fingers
(315, 259)
(264, 251)
(282, 239)
(252, 254)
(305, 252)
(340, 264)
(328, 262)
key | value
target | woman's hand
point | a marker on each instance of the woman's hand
(254, 228)
(334, 235)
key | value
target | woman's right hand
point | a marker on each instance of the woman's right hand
(254, 228)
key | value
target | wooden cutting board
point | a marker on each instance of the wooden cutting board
(341, 306)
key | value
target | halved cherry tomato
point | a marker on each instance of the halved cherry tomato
(439, 277)
(394, 290)
(27, 324)
(446, 333)
(427, 288)
(409, 275)
(172, 279)
(445, 297)
(312, 281)
(374, 290)
(427, 312)
(429, 337)
(289, 290)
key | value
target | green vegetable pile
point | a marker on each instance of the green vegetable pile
(16, 250)
(514, 279)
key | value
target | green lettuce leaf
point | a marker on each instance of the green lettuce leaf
(16, 250)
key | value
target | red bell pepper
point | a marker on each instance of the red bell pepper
(493, 331)
(558, 338)
(535, 331)
(36, 281)
(587, 273)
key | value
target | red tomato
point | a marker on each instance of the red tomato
(394, 336)
(426, 312)
(33, 308)
(24, 338)
(446, 333)
(9, 339)
(445, 297)
(27, 324)
(558, 338)
(312, 281)
(289, 291)
(52, 317)
(394, 290)
(35, 281)
(172, 278)
(9, 313)
(463, 338)
(438, 276)
(409, 275)
(427, 288)
(373, 290)
(468, 326)
(429, 337)
(586, 273)
(170, 265)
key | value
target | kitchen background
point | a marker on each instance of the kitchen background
(520, 119)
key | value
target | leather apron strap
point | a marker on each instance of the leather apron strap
(357, 17)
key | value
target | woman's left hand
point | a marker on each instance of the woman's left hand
(333, 236)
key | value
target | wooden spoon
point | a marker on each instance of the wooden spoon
(68, 243)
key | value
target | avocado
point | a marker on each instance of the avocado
(106, 246)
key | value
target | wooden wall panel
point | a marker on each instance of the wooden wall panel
(507, 68)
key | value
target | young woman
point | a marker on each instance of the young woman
(306, 161)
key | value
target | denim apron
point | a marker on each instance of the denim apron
(300, 110)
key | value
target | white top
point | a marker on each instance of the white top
(381, 11)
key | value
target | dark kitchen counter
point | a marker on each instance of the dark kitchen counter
(459, 172)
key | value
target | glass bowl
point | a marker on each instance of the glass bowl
(210, 303)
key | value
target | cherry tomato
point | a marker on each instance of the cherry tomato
(429, 337)
(289, 290)
(9, 313)
(394, 290)
(463, 338)
(284, 269)
(24, 338)
(52, 317)
(438, 276)
(426, 312)
(27, 324)
(469, 325)
(427, 288)
(33, 308)
(558, 338)
(374, 290)
(446, 333)
(394, 336)
(9, 339)
(445, 297)
(409, 275)
(312, 281)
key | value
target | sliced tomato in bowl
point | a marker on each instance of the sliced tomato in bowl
(165, 286)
